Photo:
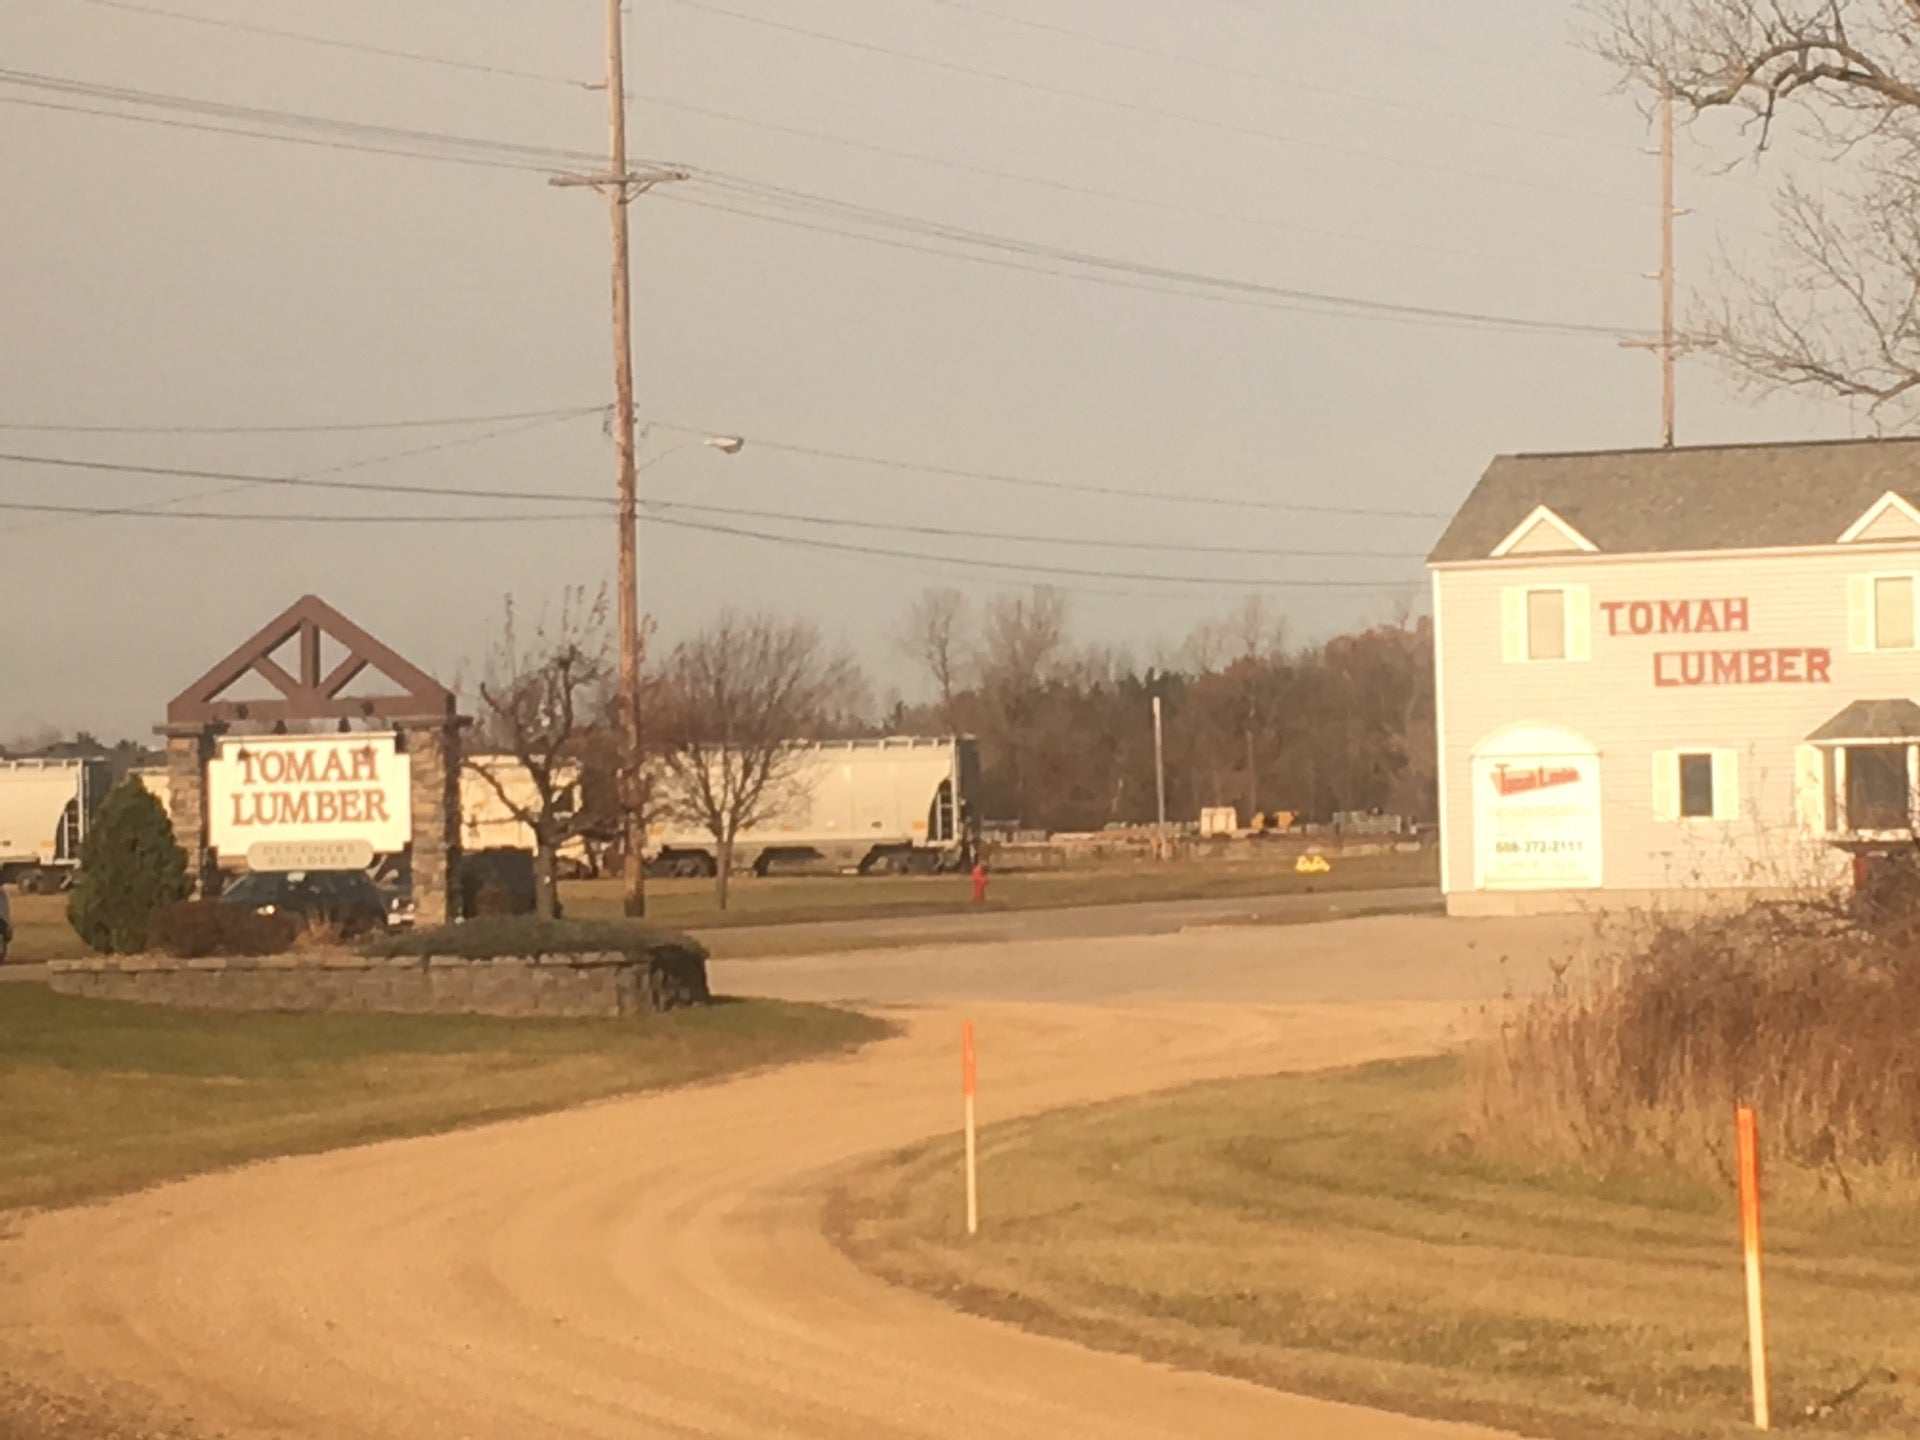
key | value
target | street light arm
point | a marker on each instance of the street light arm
(725, 444)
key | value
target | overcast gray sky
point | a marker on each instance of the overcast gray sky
(1464, 158)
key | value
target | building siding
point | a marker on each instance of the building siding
(1795, 601)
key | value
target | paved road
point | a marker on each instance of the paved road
(1155, 917)
(655, 1267)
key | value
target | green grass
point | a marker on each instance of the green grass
(97, 1098)
(43, 933)
(1336, 1235)
(40, 930)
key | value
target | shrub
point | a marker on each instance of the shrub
(509, 937)
(129, 868)
(194, 929)
(1799, 1011)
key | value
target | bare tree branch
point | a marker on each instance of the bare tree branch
(734, 705)
(1838, 317)
(535, 702)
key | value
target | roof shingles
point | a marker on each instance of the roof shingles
(1723, 497)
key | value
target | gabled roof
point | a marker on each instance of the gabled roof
(1871, 720)
(1718, 497)
(1541, 533)
(316, 692)
(1891, 517)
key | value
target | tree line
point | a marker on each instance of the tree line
(1064, 728)
(1251, 721)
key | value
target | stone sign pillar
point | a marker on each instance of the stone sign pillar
(188, 751)
(433, 751)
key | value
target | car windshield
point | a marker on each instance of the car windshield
(254, 889)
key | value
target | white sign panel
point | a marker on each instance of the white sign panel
(305, 789)
(286, 856)
(1536, 822)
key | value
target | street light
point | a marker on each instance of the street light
(633, 757)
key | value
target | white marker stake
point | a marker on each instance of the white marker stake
(1749, 1158)
(966, 1093)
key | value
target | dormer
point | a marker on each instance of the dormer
(1890, 518)
(1545, 533)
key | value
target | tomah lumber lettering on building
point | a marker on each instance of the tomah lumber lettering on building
(1686, 673)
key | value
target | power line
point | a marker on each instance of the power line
(245, 480)
(1152, 278)
(102, 512)
(948, 532)
(995, 477)
(318, 480)
(1019, 567)
(242, 483)
(346, 134)
(1138, 108)
(248, 28)
(1291, 82)
(444, 422)
(396, 140)
(314, 142)
(1068, 187)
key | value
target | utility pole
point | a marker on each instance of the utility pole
(1667, 216)
(1160, 777)
(622, 185)
(1669, 346)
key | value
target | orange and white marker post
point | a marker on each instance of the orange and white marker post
(967, 1081)
(1748, 1145)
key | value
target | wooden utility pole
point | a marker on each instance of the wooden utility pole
(1667, 216)
(633, 750)
(1669, 346)
(621, 184)
(1160, 779)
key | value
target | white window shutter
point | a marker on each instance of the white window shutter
(1726, 784)
(1810, 788)
(1513, 625)
(1579, 610)
(1859, 612)
(1666, 786)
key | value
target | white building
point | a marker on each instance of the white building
(1676, 674)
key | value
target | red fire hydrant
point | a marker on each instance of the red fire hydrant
(979, 882)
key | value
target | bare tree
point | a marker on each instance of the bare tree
(937, 635)
(1842, 315)
(1023, 650)
(735, 703)
(539, 702)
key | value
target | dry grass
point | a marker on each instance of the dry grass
(98, 1097)
(1637, 1065)
(778, 900)
(1337, 1235)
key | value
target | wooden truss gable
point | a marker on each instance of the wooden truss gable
(313, 694)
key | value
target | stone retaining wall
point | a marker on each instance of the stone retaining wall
(545, 985)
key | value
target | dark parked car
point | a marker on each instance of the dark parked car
(492, 882)
(497, 882)
(347, 898)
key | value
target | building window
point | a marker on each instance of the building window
(1546, 624)
(1893, 612)
(1883, 612)
(1878, 788)
(1696, 787)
